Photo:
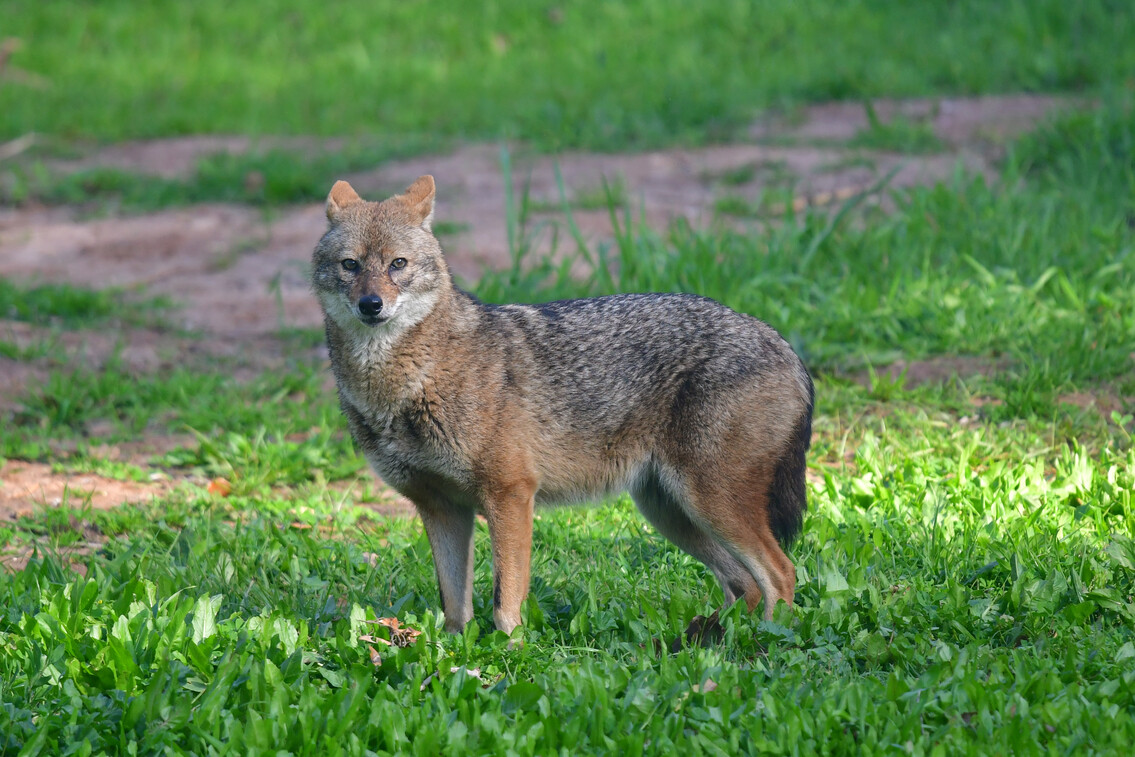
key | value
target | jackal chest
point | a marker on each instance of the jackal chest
(407, 443)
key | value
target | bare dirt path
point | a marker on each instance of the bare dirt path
(239, 273)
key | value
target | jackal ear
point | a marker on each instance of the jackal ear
(419, 200)
(342, 196)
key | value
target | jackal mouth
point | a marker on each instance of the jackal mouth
(374, 320)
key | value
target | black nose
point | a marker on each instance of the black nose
(370, 305)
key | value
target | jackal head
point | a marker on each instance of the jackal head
(379, 266)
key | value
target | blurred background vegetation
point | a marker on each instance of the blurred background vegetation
(554, 73)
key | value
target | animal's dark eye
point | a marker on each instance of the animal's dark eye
(350, 264)
(398, 263)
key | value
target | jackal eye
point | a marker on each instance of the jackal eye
(350, 264)
(398, 263)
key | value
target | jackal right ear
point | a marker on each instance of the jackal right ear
(342, 196)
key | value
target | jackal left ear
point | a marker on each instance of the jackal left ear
(419, 200)
(342, 195)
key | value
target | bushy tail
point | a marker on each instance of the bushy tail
(788, 497)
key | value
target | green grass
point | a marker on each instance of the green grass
(740, 175)
(771, 172)
(61, 306)
(74, 307)
(900, 134)
(40, 348)
(773, 203)
(443, 229)
(775, 197)
(608, 193)
(589, 74)
(952, 591)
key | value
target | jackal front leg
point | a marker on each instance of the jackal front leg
(450, 531)
(510, 512)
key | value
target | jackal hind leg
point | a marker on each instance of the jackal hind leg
(665, 513)
(731, 504)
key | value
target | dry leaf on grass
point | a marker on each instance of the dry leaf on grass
(219, 486)
(374, 639)
(400, 636)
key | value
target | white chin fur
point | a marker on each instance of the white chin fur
(407, 311)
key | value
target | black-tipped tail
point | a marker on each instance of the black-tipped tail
(788, 497)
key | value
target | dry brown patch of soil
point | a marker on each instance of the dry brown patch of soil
(371, 493)
(1104, 402)
(957, 121)
(935, 370)
(238, 271)
(177, 157)
(25, 486)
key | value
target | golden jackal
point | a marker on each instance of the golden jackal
(703, 414)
